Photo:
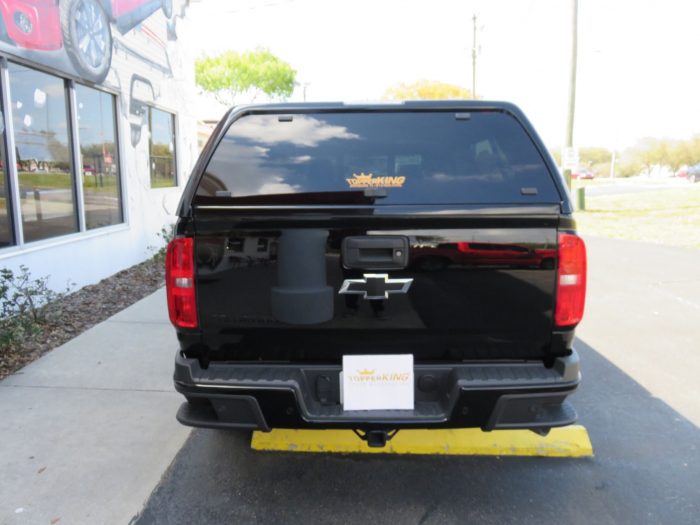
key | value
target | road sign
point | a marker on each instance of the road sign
(569, 158)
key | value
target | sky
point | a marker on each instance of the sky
(637, 74)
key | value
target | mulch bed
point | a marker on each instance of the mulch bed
(74, 313)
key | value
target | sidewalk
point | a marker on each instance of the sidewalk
(87, 431)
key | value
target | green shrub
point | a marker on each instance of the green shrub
(166, 234)
(24, 305)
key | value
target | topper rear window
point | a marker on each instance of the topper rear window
(377, 157)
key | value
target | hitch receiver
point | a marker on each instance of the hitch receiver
(375, 438)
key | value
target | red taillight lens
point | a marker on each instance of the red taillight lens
(179, 282)
(571, 280)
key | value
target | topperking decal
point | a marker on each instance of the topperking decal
(362, 180)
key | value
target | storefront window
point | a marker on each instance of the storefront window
(100, 158)
(42, 142)
(162, 148)
(5, 215)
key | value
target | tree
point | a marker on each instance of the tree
(231, 74)
(596, 159)
(427, 90)
(679, 154)
(652, 152)
(694, 150)
(627, 166)
(591, 156)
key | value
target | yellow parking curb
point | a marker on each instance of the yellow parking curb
(571, 442)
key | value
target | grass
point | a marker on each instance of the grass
(159, 182)
(671, 216)
(44, 180)
(57, 180)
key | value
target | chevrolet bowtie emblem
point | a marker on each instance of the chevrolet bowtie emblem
(375, 286)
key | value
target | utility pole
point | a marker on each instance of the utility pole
(572, 85)
(612, 164)
(474, 57)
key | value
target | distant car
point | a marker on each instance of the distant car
(694, 172)
(81, 26)
(582, 174)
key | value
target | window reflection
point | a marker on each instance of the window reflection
(39, 115)
(427, 158)
(100, 159)
(306, 131)
(162, 148)
(5, 224)
(431, 255)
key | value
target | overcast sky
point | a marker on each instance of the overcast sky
(637, 76)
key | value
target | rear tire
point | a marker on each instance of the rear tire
(87, 38)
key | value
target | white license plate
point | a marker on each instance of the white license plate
(377, 382)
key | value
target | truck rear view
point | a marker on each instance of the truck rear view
(376, 268)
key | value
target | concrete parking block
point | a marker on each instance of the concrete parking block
(570, 442)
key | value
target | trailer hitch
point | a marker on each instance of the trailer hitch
(376, 438)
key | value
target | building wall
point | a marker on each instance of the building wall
(149, 72)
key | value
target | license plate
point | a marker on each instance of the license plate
(377, 382)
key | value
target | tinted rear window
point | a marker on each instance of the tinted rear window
(382, 158)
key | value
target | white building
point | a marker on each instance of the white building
(97, 132)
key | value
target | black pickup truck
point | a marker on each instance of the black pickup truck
(376, 267)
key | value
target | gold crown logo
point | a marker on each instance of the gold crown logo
(365, 372)
(361, 178)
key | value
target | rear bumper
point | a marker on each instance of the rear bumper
(490, 396)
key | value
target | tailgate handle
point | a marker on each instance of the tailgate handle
(375, 252)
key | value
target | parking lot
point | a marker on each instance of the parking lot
(638, 401)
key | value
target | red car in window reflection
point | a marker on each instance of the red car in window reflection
(433, 258)
(83, 27)
(582, 174)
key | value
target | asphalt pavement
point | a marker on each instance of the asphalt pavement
(638, 401)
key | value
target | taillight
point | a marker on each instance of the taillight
(179, 282)
(571, 280)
